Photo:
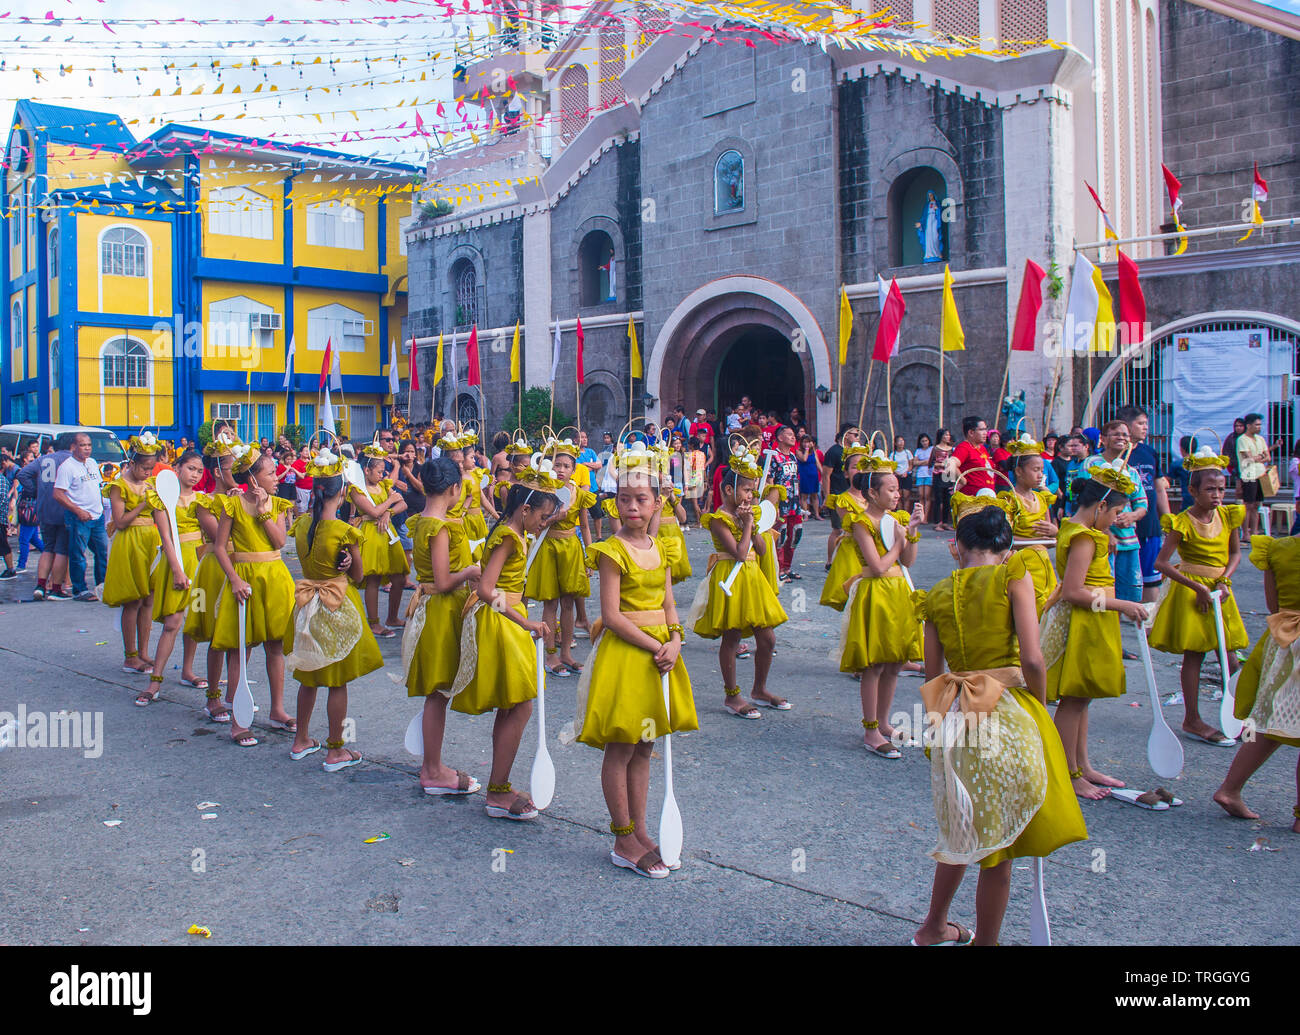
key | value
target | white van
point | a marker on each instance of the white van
(105, 445)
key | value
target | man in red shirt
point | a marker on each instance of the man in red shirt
(973, 457)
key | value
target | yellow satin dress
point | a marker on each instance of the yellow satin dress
(752, 604)
(1178, 625)
(268, 612)
(768, 562)
(609, 507)
(625, 700)
(1037, 560)
(320, 561)
(498, 659)
(1014, 770)
(880, 626)
(670, 528)
(1268, 689)
(1093, 663)
(475, 523)
(167, 599)
(847, 560)
(560, 567)
(134, 549)
(378, 555)
(435, 656)
(209, 580)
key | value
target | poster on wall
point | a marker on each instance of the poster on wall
(1217, 377)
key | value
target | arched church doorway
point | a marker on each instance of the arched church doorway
(759, 363)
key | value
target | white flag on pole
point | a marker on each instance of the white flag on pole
(451, 369)
(327, 414)
(288, 363)
(336, 374)
(393, 378)
(555, 352)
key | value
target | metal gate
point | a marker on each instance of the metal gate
(1145, 379)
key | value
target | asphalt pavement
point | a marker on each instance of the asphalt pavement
(793, 834)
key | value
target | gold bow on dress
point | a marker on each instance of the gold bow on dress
(332, 592)
(979, 690)
(1284, 627)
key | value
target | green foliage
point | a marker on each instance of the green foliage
(537, 414)
(205, 433)
(295, 434)
(1055, 282)
(434, 209)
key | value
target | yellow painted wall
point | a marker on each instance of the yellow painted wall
(211, 399)
(364, 260)
(66, 169)
(266, 183)
(133, 407)
(269, 359)
(399, 207)
(124, 294)
(369, 362)
(54, 382)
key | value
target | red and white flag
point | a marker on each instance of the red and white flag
(471, 357)
(581, 375)
(1111, 235)
(415, 368)
(890, 325)
(1031, 301)
(325, 365)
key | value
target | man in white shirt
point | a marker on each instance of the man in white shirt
(78, 489)
(1253, 458)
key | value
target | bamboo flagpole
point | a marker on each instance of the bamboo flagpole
(635, 368)
(889, 398)
(862, 409)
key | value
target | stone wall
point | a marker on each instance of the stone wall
(1231, 96)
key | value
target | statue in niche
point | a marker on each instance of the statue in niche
(929, 231)
(1013, 409)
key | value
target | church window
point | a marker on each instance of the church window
(597, 268)
(728, 183)
(919, 218)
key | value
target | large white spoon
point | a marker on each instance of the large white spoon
(1228, 722)
(670, 820)
(1040, 930)
(243, 705)
(542, 782)
(168, 487)
(1164, 751)
(888, 530)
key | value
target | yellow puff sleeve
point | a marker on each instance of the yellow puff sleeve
(610, 548)
(902, 517)
(609, 508)
(1016, 566)
(1259, 551)
(919, 597)
(1234, 514)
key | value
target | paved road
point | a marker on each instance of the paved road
(793, 834)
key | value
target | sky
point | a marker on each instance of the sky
(362, 97)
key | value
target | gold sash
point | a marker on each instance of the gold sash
(511, 600)
(190, 537)
(259, 557)
(142, 522)
(894, 572)
(714, 558)
(979, 690)
(332, 592)
(1205, 571)
(423, 590)
(641, 619)
(561, 533)
(1284, 627)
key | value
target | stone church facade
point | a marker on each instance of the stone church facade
(738, 188)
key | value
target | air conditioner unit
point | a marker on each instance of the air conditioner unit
(265, 321)
(359, 328)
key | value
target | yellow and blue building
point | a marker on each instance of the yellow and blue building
(160, 282)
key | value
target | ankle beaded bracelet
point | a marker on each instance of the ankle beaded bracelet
(212, 695)
(872, 724)
(731, 691)
(622, 831)
(333, 745)
(498, 788)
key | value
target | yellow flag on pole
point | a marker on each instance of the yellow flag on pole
(437, 369)
(514, 356)
(1103, 329)
(637, 370)
(951, 336)
(846, 325)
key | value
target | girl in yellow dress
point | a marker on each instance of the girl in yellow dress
(558, 576)
(845, 562)
(173, 575)
(668, 531)
(621, 706)
(497, 667)
(1031, 515)
(382, 557)
(752, 609)
(609, 508)
(209, 580)
(329, 643)
(1080, 627)
(1268, 689)
(128, 583)
(256, 526)
(431, 640)
(475, 524)
(998, 772)
(880, 632)
(1205, 537)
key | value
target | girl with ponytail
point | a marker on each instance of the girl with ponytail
(431, 639)
(209, 579)
(496, 669)
(329, 643)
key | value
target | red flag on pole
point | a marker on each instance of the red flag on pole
(581, 376)
(1132, 303)
(325, 363)
(471, 357)
(1031, 301)
(1174, 186)
(415, 368)
(891, 320)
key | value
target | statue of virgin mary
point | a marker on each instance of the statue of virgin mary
(929, 232)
